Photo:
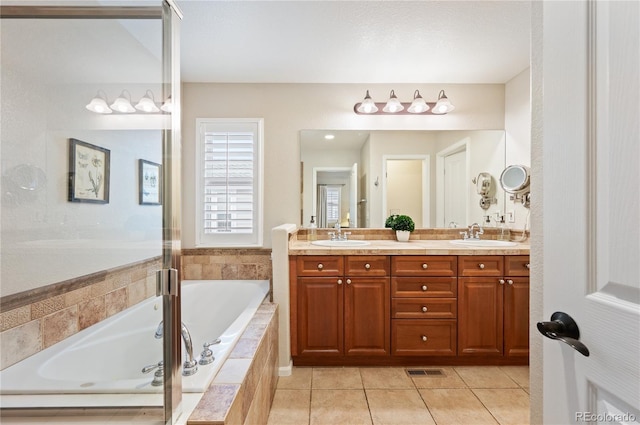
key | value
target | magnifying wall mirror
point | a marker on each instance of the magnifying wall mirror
(515, 180)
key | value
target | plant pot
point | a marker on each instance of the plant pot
(403, 235)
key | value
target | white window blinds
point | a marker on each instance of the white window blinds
(230, 183)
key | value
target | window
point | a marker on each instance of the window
(229, 198)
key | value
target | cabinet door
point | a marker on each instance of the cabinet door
(320, 316)
(367, 317)
(516, 316)
(480, 310)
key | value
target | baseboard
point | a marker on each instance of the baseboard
(286, 370)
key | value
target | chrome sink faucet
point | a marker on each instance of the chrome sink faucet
(479, 232)
(339, 235)
(190, 366)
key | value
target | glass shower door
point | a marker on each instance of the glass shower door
(89, 202)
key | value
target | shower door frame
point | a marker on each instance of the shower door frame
(169, 289)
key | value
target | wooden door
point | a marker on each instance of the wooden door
(480, 313)
(320, 316)
(367, 317)
(516, 316)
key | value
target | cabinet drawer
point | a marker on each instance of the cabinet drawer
(423, 337)
(412, 287)
(320, 265)
(424, 265)
(480, 265)
(516, 265)
(424, 308)
(367, 265)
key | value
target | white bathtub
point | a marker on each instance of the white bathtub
(109, 356)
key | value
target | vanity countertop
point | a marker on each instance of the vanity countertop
(413, 247)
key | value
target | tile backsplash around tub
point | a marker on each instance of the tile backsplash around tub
(34, 320)
(227, 264)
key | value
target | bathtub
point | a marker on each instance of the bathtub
(107, 358)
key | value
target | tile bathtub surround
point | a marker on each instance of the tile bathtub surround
(35, 320)
(243, 389)
(377, 396)
(227, 264)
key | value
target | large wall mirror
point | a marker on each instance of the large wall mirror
(439, 178)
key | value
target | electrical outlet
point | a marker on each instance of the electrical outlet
(511, 216)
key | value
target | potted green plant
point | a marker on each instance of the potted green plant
(402, 224)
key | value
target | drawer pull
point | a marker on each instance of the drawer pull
(424, 309)
(424, 337)
(481, 266)
(510, 282)
(501, 281)
(320, 266)
(367, 266)
(528, 266)
(425, 265)
(424, 287)
(348, 281)
(339, 281)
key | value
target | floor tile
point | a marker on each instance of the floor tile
(508, 406)
(300, 379)
(290, 407)
(485, 377)
(456, 406)
(336, 378)
(397, 407)
(339, 407)
(386, 378)
(448, 379)
(520, 374)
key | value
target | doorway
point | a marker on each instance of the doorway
(406, 187)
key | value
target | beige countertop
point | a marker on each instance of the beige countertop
(413, 247)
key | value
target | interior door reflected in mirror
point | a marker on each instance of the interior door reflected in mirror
(346, 178)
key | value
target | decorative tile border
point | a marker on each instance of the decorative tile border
(226, 264)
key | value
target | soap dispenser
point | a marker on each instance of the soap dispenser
(504, 234)
(312, 236)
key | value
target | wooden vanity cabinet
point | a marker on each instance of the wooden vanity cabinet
(493, 309)
(343, 306)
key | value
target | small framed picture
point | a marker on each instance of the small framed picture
(88, 172)
(149, 182)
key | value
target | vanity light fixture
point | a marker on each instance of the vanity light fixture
(123, 104)
(443, 105)
(393, 106)
(99, 104)
(147, 103)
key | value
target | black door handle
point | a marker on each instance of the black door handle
(563, 328)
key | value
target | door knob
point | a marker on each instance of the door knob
(563, 328)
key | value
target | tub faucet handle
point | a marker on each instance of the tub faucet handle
(206, 357)
(158, 376)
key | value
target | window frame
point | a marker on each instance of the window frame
(231, 240)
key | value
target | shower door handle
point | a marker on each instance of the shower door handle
(167, 282)
(563, 328)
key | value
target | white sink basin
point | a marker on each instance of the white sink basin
(483, 242)
(346, 243)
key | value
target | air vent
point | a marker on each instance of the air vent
(425, 372)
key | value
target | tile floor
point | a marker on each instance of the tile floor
(466, 395)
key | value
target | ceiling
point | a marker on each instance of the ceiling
(440, 42)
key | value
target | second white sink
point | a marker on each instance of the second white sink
(351, 242)
(482, 242)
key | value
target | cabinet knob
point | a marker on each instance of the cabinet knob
(339, 281)
(424, 309)
(424, 337)
(320, 266)
(501, 281)
(367, 266)
(425, 265)
(424, 287)
(481, 266)
(528, 266)
(510, 282)
(348, 281)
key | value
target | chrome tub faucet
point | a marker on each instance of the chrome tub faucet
(190, 366)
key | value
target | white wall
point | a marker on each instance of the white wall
(289, 108)
(517, 124)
